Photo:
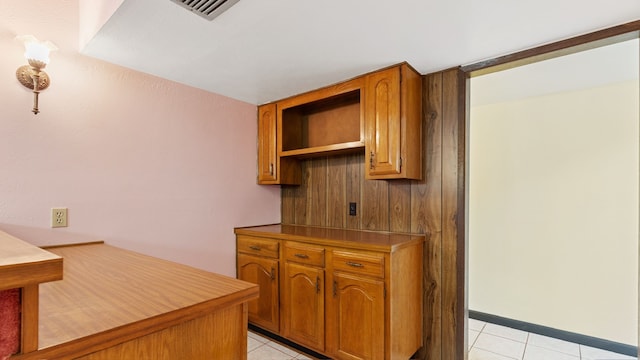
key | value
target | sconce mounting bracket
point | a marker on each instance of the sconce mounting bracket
(25, 76)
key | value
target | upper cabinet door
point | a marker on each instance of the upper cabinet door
(382, 118)
(393, 123)
(272, 168)
(267, 157)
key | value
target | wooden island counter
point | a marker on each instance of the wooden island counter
(118, 304)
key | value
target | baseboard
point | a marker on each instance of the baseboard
(586, 340)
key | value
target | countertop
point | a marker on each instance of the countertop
(372, 240)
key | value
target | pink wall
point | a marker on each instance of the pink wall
(141, 162)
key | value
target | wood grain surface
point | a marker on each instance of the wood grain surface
(110, 296)
(367, 240)
(349, 294)
(23, 264)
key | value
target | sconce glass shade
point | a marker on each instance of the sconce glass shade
(36, 50)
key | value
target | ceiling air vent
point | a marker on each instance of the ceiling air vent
(208, 9)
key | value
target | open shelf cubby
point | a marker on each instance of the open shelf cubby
(332, 124)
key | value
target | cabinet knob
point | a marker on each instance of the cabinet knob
(318, 284)
(302, 256)
(371, 156)
(335, 288)
(273, 273)
(354, 264)
(271, 169)
(254, 247)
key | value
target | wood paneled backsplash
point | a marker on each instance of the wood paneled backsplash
(329, 184)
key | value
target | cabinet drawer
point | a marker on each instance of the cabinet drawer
(362, 263)
(304, 254)
(258, 246)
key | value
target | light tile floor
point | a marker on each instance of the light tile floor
(263, 348)
(494, 342)
(486, 342)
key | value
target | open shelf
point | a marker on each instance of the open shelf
(328, 125)
(341, 148)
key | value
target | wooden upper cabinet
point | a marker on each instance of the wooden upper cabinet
(267, 159)
(379, 112)
(271, 168)
(393, 124)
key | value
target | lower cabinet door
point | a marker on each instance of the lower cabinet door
(356, 318)
(303, 305)
(263, 311)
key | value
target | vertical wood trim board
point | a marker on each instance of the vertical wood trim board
(433, 206)
(30, 317)
(427, 212)
(453, 216)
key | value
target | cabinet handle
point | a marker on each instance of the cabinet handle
(354, 264)
(271, 169)
(255, 247)
(371, 156)
(335, 288)
(302, 256)
(318, 284)
(273, 273)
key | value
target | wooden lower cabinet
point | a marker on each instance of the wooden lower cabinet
(303, 294)
(344, 293)
(356, 317)
(258, 263)
(303, 305)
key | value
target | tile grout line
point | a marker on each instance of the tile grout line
(579, 352)
(526, 344)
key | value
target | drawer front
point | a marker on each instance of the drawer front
(370, 264)
(258, 246)
(304, 254)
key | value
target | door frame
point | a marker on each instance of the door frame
(591, 40)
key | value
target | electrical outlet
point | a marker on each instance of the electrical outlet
(352, 209)
(58, 217)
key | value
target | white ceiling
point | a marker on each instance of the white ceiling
(263, 50)
(604, 65)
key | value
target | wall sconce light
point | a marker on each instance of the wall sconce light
(32, 76)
